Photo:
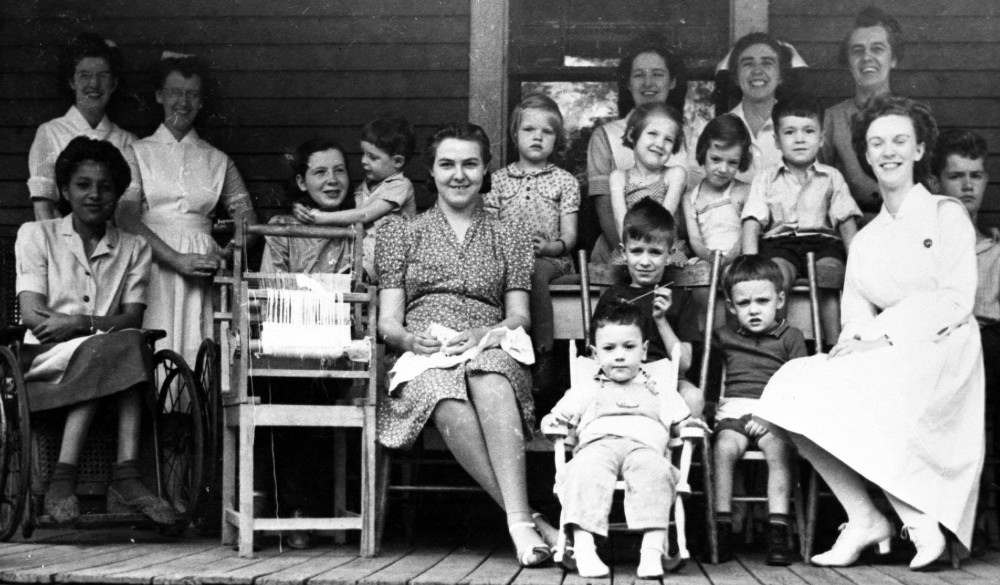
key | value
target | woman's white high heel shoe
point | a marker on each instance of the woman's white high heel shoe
(929, 541)
(853, 541)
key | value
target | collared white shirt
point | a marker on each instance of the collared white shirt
(186, 176)
(763, 146)
(51, 261)
(53, 136)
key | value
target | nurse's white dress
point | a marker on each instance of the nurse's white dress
(908, 417)
(178, 186)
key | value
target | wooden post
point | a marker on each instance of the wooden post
(747, 16)
(489, 24)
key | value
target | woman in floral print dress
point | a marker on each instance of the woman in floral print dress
(457, 266)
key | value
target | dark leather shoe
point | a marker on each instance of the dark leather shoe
(779, 554)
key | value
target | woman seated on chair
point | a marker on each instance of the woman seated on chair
(899, 400)
(81, 285)
(455, 266)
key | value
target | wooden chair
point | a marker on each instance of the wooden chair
(803, 314)
(243, 412)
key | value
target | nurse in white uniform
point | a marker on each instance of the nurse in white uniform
(178, 182)
(899, 401)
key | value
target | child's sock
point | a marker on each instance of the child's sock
(651, 554)
(587, 562)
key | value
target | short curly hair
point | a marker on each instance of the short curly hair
(759, 38)
(964, 143)
(868, 18)
(460, 131)
(750, 267)
(81, 47)
(82, 149)
(924, 126)
(657, 44)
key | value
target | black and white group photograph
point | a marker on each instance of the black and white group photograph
(500, 292)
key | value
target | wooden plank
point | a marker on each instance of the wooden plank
(99, 556)
(819, 575)
(29, 112)
(407, 568)
(903, 574)
(754, 564)
(253, 30)
(418, 83)
(248, 574)
(359, 568)
(499, 569)
(925, 84)
(209, 572)
(866, 574)
(918, 29)
(131, 8)
(119, 572)
(925, 56)
(375, 54)
(337, 557)
(552, 574)
(898, 7)
(982, 569)
(176, 571)
(455, 567)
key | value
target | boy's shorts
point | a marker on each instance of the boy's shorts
(733, 414)
(793, 249)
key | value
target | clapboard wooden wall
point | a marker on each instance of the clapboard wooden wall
(952, 61)
(286, 69)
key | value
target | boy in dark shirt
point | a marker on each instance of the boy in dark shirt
(671, 315)
(752, 353)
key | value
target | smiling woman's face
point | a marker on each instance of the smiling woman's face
(458, 172)
(758, 72)
(870, 57)
(892, 149)
(650, 80)
(91, 193)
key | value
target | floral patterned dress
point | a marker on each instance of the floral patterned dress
(458, 285)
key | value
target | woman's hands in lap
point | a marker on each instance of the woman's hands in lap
(464, 341)
(59, 327)
(423, 344)
(857, 346)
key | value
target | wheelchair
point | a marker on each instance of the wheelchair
(172, 453)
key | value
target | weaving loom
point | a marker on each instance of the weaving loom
(306, 319)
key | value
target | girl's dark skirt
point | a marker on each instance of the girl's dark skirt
(103, 365)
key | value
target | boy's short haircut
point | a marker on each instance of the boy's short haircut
(750, 267)
(964, 143)
(393, 136)
(729, 131)
(648, 221)
(800, 106)
(618, 312)
(637, 121)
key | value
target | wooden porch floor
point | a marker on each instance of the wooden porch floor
(143, 557)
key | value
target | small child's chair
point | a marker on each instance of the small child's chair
(665, 371)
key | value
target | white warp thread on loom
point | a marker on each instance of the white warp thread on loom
(305, 324)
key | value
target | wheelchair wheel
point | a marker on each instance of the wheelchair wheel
(180, 413)
(208, 374)
(15, 454)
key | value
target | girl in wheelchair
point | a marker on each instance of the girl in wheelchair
(81, 285)
(622, 418)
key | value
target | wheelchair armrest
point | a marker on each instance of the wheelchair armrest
(12, 334)
(152, 336)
